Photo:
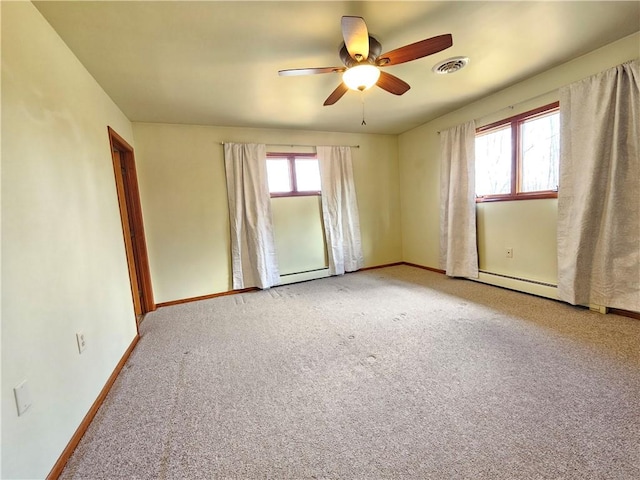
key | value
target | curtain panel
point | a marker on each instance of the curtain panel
(340, 210)
(458, 250)
(253, 253)
(599, 191)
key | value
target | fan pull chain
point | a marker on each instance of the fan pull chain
(362, 100)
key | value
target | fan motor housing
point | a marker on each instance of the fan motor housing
(375, 48)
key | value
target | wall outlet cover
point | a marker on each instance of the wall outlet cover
(82, 344)
(23, 398)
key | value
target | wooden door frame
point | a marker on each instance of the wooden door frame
(135, 246)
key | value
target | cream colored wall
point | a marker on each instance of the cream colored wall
(298, 232)
(184, 203)
(63, 261)
(526, 226)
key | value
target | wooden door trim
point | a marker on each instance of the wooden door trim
(127, 228)
(116, 142)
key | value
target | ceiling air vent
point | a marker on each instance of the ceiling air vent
(450, 65)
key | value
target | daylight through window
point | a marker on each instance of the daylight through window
(293, 174)
(518, 158)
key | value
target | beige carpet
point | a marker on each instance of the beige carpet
(384, 374)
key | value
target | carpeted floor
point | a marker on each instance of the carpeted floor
(396, 373)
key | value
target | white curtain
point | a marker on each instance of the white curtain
(458, 251)
(340, 210)
(599, 191)
(253, 253)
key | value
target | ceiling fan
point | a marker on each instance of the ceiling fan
(361, 56)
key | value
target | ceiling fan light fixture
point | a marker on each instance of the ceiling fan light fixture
(361, 77)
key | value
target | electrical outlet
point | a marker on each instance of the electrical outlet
(509, 252)
(81, 342)
(23, 397)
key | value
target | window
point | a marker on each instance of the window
(518, 158)
(292, 174)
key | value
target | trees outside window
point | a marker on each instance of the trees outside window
(518, 157)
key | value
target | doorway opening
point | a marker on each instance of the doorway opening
(124, 169)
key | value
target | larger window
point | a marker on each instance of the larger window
(518, 157)
(292, 174)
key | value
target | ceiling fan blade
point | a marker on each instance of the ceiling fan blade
(310, 71)
(392, 84)
(356, 37)
(336, 94)
(415, 50)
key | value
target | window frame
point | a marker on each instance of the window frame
(291, 157)
(515, 123)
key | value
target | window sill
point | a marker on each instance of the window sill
(296, 194)
(519, 196)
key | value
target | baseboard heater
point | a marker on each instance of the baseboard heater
(305, 271)
(520, 279)
(304, 276)
(525, 285)
(543, 289)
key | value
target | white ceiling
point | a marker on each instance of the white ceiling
(216, 63)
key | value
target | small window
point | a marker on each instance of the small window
(278, 172)
(518, 158)
(292, 174)
(493, 162)
(540, 153)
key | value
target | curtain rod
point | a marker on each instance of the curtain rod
(301, 145)
(512, 106)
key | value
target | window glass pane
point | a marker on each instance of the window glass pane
(493, 162)
(307, 174)
(278, 174)
(540, 145)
